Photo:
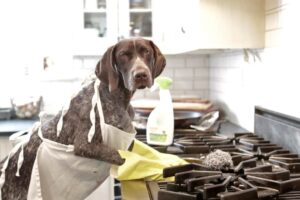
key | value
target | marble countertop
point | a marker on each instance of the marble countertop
(8, 127)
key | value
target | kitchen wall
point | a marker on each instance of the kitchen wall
(189, 72)
(271, 81)
(226, 78)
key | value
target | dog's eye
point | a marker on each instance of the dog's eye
(146, 51)
(122, 53)
(125, 53)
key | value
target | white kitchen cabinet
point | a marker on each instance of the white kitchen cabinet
(211, 24)
(179, 25)
(176, 26)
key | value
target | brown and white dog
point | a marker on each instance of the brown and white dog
(125, 67)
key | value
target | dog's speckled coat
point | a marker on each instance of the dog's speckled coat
(116, 71)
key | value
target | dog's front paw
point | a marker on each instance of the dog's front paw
(115, 158)
(100, 152)
(119, 161)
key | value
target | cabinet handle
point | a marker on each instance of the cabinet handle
(182, 30)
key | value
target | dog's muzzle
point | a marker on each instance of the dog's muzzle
(141, 77)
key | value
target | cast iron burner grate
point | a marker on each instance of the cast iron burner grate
(261, 171)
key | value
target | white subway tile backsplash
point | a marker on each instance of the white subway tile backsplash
(199, 94)
(201, 84)
(175, 61)
(237, 86)
(183, 73)
(228, 59)
(183, 85)
(189, 73)
(201, 72)
(196, 61)
(168, 71)
(179, 93)
(215, 61)
(235, 60)
(226, 75)
(229, 88)
(217, 72)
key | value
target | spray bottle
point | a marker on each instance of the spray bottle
(160, 124)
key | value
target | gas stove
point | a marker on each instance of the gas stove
(261, 170)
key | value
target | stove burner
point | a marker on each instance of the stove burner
(261, 171)
(204, 143)
(194, 181)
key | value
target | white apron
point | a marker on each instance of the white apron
(59, 174)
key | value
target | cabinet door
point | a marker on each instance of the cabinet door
(211, 24)
(95, 18)
(100, 19)
(180, 25)
(97, 26)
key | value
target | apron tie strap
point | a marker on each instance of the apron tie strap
(92, 112)
(20, 160)
(95, 102)
(63, 113)
(60, 122)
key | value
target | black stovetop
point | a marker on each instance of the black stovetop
(261, 170)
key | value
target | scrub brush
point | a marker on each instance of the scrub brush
(218, 160)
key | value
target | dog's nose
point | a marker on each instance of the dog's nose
(140, 76)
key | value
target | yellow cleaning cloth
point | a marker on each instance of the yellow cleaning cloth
(142, 163)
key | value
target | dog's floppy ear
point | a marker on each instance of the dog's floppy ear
(159, 62)
(106, 70)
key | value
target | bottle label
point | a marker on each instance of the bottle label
(158, 136)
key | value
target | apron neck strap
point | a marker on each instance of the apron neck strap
(99, 104)
(95, 102)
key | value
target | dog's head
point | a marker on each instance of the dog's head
(133, 63)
